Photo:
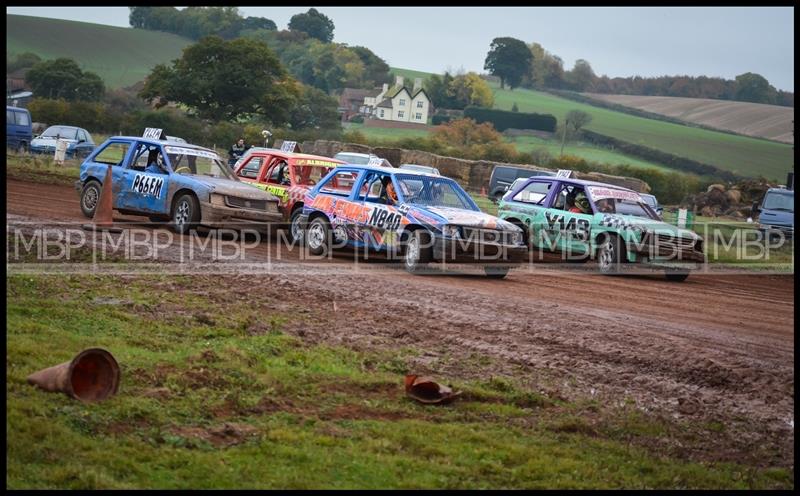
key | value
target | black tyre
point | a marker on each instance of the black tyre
(318, 236)
(90, 195)
(417, 252)
(609, 256)
(496, 272)
(185, 213)
(677, 275)
(296, 234)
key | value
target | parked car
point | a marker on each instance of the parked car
(431, 218)
(653, 202)
(19, 132)
(586, 219)
(421, 168)
(186, 184)
(503, 176)
(80, 143)
(361, 158)
(776, 212)
(288, 176)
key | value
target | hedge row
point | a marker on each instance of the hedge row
(657, 156)
(440, 119)
(504, 119)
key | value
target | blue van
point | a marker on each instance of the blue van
(19, 131)
(776, 212)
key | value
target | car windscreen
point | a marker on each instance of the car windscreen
(432, 191)
(61, 132)
(775, 200)
(188, 161)
(351, 158)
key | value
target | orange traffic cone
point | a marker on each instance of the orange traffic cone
(93, 375)
(426, 390)
(104, 210)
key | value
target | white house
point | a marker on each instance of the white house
(399, 103)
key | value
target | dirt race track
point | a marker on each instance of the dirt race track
(716, 347)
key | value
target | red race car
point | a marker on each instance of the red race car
(287, 175)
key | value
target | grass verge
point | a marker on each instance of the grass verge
(215, 395)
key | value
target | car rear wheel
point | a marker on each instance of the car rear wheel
(609, 256)
(677, 275)
(185, 214)
(418, 252)
(496, 272)
(90, 194)
(318, 237)
(295, 227)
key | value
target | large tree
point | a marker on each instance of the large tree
(751, 87)
(509, 59)
(225, 80)
(63, 78)
(313, 23)
(573, 122)
(581, 77)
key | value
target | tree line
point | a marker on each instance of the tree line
(531, 66)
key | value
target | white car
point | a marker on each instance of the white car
(362, 159)
(421, 168)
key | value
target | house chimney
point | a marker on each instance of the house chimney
(385, 88)
(417, 84)
(399, 80)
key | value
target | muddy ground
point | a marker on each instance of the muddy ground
(716, 348)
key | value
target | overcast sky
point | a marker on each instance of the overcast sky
(617, 41)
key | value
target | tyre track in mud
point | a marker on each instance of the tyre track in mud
(724, 342)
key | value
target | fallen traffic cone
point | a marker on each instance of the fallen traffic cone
(426, 390)
(93, 375)
(103, 218)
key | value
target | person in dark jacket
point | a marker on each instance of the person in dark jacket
(236, 152)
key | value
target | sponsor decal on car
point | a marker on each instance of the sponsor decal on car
(600, 193)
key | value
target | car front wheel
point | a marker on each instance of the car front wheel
(496, 272)
(677, 275)
(318, 237)
(418, 252)
(609, 256)
(90, 195)
(185, 214)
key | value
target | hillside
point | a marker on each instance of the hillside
(742, 155)
(121, 56)
(752, 119)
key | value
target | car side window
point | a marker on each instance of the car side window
(82, 135)
(534, 193)
(371, 187)
(341, 183)
(22, 118)
(112, 154)
(9, 117)
(149, 155)
(251, 169)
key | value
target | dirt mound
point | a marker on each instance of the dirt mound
(733, 200)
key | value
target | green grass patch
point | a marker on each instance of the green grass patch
(41, 169)
(215, 395)
(742, 155)
(120, 56)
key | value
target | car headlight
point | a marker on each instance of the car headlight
(217, 199)
(516, 238)
(451, 231)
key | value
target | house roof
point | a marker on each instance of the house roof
(373, 93)
(386, 103)
(396, 91)
(420, 91)
(354, 94)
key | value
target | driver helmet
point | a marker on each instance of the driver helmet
(582, 202)
(390, 192)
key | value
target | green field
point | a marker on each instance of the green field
(121, 56)
(218, 395)
(580, 149)
(742, 155)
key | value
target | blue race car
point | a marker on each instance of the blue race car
(169, 180)
(418, 216)
(79, 141)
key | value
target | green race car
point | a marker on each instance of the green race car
(585, 220)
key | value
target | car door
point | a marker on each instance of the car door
(146, 190)
(568, 231)
(84, 146)
(336, 199)
(114, 154)
(533, 202)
